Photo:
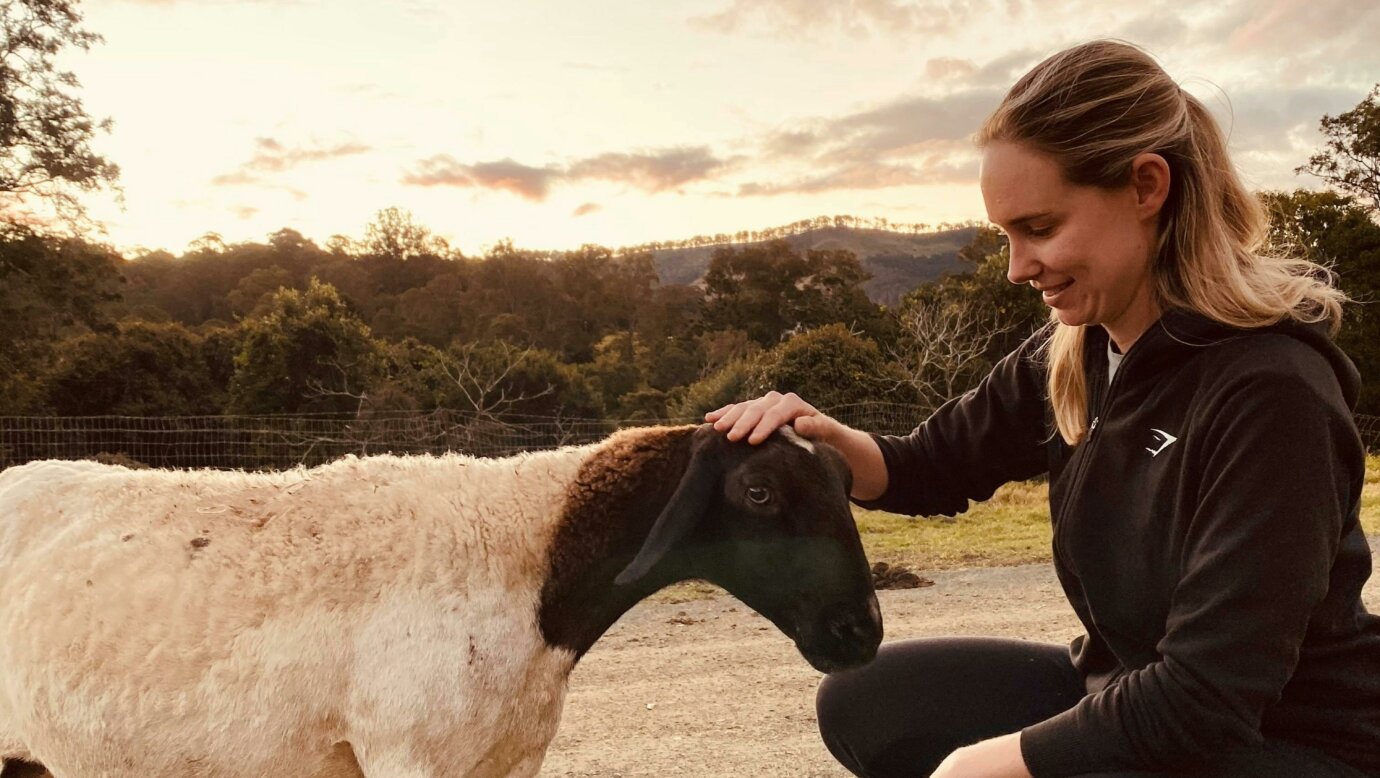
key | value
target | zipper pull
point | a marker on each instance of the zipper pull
(1093, 426)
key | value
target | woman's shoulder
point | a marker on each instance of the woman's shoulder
(1288, 352)
(1272, 376)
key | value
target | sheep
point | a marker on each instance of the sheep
(388, 616)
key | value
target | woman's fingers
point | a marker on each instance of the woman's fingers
(752, 413)
(729, 416)
(757, 419)
(810, 425)
(782, 412)
(715, 414)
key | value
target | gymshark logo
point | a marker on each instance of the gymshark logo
(1163, 439)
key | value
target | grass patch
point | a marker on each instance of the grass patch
(1012, 528)
(1370, 496)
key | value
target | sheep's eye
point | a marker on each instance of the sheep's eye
(759, 495)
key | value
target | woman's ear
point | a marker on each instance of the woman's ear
(1150, 177)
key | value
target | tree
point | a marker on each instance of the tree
(144, 369)
(615, 370)
(1350, 160)
(208, 243)
(729, 383)
(307, 353)
(45, 133)
(393, 233)
(497, 381)
(990, 302)
(1334, 230)
(50, 288)
(255, 289)
(943, 348)
(831, 366)
(770, 289)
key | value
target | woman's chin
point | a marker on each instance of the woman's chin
(1070, 316)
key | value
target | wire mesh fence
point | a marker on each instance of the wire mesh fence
(278, 442)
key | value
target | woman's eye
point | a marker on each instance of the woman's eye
(759, 495)
(1038, 232)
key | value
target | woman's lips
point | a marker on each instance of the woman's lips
(1052, 294)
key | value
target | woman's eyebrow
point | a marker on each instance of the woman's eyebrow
(1019, 220)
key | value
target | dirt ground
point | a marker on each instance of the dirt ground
(708, 688)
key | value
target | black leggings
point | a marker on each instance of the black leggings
(922, 699)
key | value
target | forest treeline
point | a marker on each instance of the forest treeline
(397, 321)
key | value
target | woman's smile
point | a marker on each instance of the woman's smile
(1052, 294)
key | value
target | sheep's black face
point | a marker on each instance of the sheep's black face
(779, 535)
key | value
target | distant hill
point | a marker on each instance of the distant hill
(898, 261)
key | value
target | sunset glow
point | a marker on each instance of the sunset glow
(623, 121)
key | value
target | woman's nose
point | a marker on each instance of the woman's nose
(1023, 267)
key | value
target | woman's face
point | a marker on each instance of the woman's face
(1087, 249)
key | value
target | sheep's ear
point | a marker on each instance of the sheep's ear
(682, 512)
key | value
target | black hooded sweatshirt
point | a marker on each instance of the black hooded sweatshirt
(1205, 531)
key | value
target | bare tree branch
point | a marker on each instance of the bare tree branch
(484, 385)
(942, 347)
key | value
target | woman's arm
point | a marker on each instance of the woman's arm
(994, 434)
(999, 757)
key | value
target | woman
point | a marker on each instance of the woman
(1205, 470)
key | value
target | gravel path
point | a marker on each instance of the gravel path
(708, 688)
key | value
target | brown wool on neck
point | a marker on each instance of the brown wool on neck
(623, 483)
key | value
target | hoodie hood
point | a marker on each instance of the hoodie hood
(1180, 328)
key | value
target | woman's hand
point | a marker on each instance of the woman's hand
(999, 757)
(758, 419)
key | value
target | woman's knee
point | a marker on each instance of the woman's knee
(920, 699)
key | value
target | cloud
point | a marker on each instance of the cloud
(504, 175)
(274, 157)
(245, 212)
(1156, 29)
(908, 141)
(910, 121)
(789, 143)
(587, 208)
(234, 179)
(950, 69)
(960, 168)
(1262, 119)
(650, 171)
(1288, 25)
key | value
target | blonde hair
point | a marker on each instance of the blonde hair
(1093, 108)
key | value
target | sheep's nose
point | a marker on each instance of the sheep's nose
(858, 625)
(851, 630)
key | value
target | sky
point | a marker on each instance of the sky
(618, 122)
